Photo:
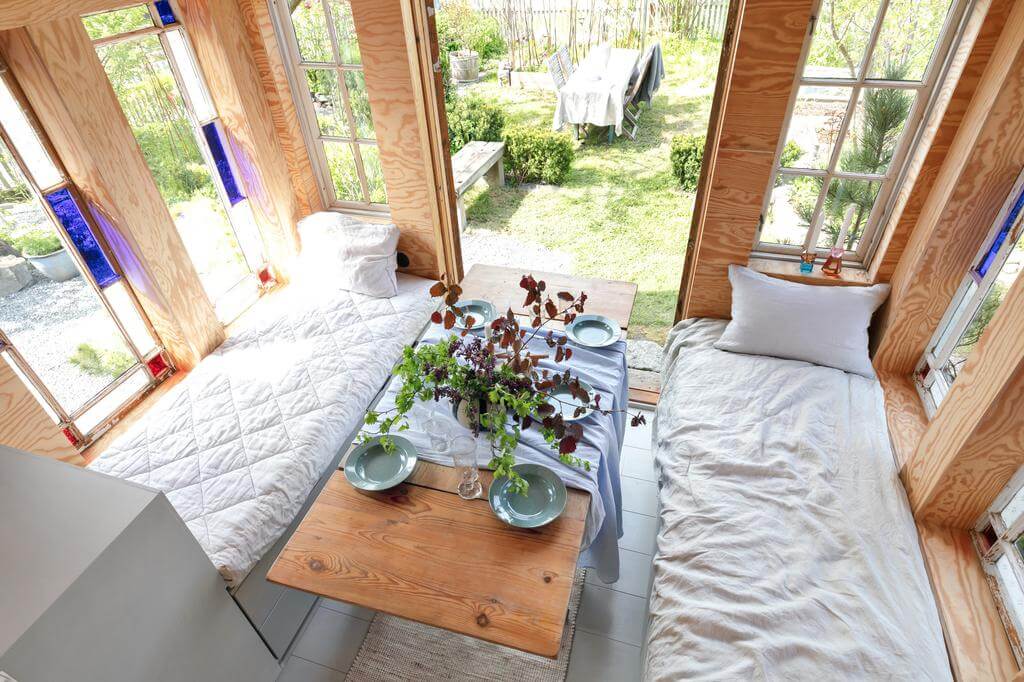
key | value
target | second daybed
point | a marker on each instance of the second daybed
(786, 548)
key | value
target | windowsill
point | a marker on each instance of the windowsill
(790, 270)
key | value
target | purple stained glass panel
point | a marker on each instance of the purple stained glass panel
(220, 158)
(1004, 232)
(166, 12)
(69, 215)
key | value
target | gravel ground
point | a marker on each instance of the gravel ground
(644, 354)
(488, 248)
(47, 321)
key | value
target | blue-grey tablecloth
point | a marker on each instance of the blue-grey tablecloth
(605, 370)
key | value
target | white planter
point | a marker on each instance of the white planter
(465, 65)
(58, 266)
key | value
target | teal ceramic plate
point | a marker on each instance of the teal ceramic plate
(567, 404)
(542, 504)
(592, 331)
(481, 311)
(370, 467)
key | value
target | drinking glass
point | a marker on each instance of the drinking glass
(463, 452)
(439, 430)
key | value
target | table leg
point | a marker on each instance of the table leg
(496, 175)
(611, 134)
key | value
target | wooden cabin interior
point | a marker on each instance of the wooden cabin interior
(831, 478)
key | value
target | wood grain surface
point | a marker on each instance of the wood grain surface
(904, 413)
(24, 423)
(500, 286)
(420, 552)
(18, 13)
(790, 271)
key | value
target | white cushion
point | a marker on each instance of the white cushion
(825, 325)
(351, 254)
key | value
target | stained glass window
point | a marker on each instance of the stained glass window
(1004, 230)
(166, 12)
(220, 158)
(70, 216)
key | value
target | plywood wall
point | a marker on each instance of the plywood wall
(25, 425)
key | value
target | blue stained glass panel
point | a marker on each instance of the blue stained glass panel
(166, 12)
(71, 218)
(220, 158)
(1004, 232)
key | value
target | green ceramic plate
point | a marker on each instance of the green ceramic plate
(542, 504)
(593, 331)
(481, 311)
(370, 467)
(567, 404)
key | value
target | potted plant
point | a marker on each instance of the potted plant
(497, 379)
(46, 253)
(465, 65)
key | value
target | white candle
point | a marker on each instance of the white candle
(847, 219)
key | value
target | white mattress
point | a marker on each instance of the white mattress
(238, 445)
(786, 548)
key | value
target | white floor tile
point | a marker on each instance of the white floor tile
(331, 639)
(639, 496)
(360, 612)
(640, 436)
(634, 574)
(637, 463)
(300, 670)
(612, 614)
(596, 659)
(639, 532)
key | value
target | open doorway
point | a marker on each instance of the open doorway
(578, 197)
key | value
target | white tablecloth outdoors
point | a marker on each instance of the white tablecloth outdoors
(594, 93)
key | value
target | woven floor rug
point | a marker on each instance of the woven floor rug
(399, 650)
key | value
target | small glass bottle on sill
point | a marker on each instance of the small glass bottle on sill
(834, 263)
(807, 262)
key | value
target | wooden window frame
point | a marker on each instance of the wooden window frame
(926, 91)
(295, 68)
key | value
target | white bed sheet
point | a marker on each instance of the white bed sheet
(786, 548)
(238, 445)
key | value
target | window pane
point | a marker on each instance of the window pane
(26, 142)
(1013, 595)
(874, 132)
(907, 40)
(814, 126)
(791, 209)
(117, 21)
(1013, 509)
(327, 103)
(355, 82)
(374, 173)
(342, 167)
(71, 219)
(345, 31)
(840, 38)
(166, 12)
(841, 194)
(311, 32)
(120, 300)
(141, 75)
(193, 82)
(128, 389)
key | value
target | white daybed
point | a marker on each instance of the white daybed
(786, 548)
(240, 443)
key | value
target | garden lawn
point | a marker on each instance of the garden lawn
(620, 213)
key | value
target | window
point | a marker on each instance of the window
(999, 539)
(69, 326)
(149, 61)
(327, 78)
(976, 300)
(867, 74)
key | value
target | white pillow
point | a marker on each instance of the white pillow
(825, 325)
(343, 251)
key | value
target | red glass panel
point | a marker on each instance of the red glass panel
(266, 275)
(70, 434)
(157, 365)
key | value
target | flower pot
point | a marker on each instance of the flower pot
(461, 414)
(465, 65)
(58, 266)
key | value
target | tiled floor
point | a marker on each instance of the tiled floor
(606, 647)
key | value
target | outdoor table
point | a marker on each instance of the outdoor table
(596, 91)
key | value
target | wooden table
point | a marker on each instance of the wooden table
(421, 552)
(500, 286)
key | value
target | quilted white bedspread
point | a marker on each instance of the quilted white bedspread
(238, 445)
(786, 548)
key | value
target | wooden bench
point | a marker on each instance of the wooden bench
(470, 164)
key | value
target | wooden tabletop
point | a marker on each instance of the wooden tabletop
(500, 286)
(420, 552)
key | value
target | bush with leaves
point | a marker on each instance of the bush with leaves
(101, 362)
(461, 27)
(38, 243)
(472, 117)
(687, 153)
(538, 155)
(15, 195)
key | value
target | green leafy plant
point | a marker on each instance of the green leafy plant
(15, 195)
(101, 362)
(38, 243)
(472, 117)
(538, 155)
(461, 27)
(498, 378)
(686, 154)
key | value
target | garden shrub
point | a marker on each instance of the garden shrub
(461, 27)
(15, 195)
(790, 153)
(101, 362)
(537, 155)
(38, 243)
(686, 154)
(473, 118)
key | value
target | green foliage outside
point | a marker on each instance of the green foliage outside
(537, 155)
(460, 27)
(686, 154)
(15, 195)
(38, 243)
(101, 362)
(981, 319)
(471, 117)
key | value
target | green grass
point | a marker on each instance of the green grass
(620, 213)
